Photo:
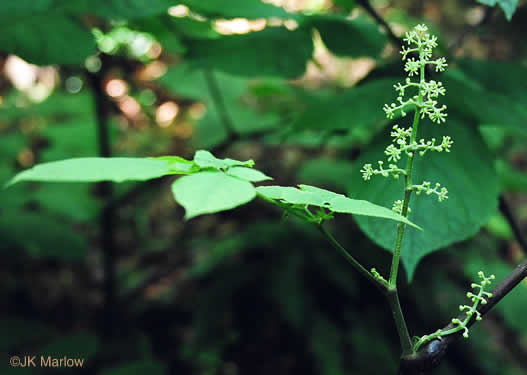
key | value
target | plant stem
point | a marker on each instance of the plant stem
(219, 103)
(382, 286)
(107, 216)
(400, 322)
(392, 295)
(407, 183)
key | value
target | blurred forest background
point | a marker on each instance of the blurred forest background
(113, 274)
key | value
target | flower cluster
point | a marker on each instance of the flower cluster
(398, 207)
(424, 100)
(476, 299)
(368, 171)
(401, 145)
(425, 187)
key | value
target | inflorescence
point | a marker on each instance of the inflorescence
(470, 311)
(425, 100)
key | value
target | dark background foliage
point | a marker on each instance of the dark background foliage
(114, 275)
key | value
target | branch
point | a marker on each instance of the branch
(515, 226)
(381, 285)
(432, 353)
(219, 103)
(378, 18)
(107, 216)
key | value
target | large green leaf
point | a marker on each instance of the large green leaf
(272, 52)
(326, 171)
(508, 6)
(236, 8)
(41, 38)
(490, 91)
(101, 169)
(345, 4)
(126, 9)
(210, 191)
(510, 178)
(40, 236)
(80, 205)
(349, 38)
(191, 82)
(468, 173)
(359, 106)
(313, 196)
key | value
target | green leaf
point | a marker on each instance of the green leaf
(360, 106)
(327, 347)
(248, 174)
(80, 205)
(508, 6)
(252, 9)
(349, 38)
(40, 236)
(75, 138)
(126, 9)
(178, 165)
(491, 93)
(211, 192)
(220, 251)
(345, 4)
(161, 29)
(99, 169)
(193, 28)
(313, 196)
(272, 52)
(326, 171)
(468, 173)
(41, 38)
(190, 82)
(510, 178)
(204, 159)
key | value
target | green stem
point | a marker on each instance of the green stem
(407, 183)
(392, 295)
(382, 285)
(400, 322)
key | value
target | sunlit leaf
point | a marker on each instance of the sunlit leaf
(313, 196)
(248, 174)
(98, 169)
(211, 192)
(204, 159)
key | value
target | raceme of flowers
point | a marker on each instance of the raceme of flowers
(480, 298)
(425, 100)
